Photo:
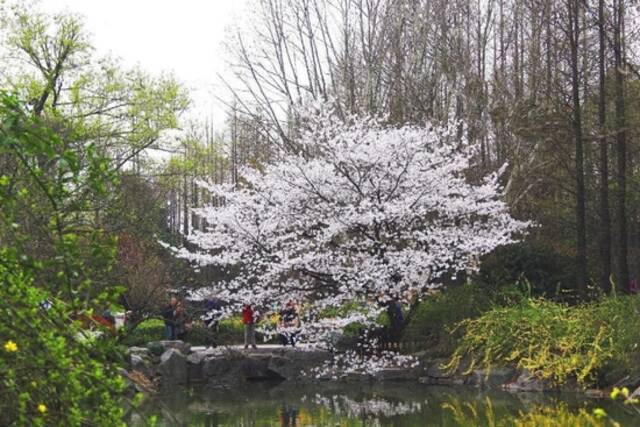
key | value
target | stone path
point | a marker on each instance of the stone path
(262, 348)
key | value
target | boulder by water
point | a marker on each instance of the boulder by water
(173, 367)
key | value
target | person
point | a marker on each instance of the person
(248, 319)
(169, 316)
(289, 321)
(182, 324)
(396, 321)
(212, 308)
(108, 316)
(211, 317)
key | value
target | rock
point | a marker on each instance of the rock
(173, 367)
(197, 358)
(195, 362)
(436, 374)
(185, 348)
(257, 368)
(218, 367)
(139, 363)
(355, 377)
(426, 380)
(526, 381)
(492, 378)
(140, 351)
(397, 374)
(284, 367)
(437, 371)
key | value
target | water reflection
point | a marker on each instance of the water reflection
(288, 416)
(373, 408)
(332, 404)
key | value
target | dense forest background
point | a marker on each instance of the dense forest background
(547, 88)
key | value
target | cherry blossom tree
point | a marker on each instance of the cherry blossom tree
(360, 212)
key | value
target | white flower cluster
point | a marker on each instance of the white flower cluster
(362, 213)
(354, 362)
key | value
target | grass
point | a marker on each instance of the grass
(587, 342)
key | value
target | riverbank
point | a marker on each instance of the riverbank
(166, 364)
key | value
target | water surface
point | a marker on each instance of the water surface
(353, 404)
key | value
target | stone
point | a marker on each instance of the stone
(437, 371)
(286, 367)
(257, 368)
(492, 378)
(140, 351)
(185, 348)
(142, 364)
(219, 368)
(526, 381)
(173, 367)
(195, 362)
(426, 380)
(396, 374)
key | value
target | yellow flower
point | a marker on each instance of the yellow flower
(599, 413)
(42, 408)
(10, 346)
(615, 393)
(625, 392)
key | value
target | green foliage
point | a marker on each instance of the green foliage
(53, 369)
(433, 320)
(230, 331)
(543, 268)
(554, 340)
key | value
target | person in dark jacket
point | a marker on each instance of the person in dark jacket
(169, 316)
(289, 324)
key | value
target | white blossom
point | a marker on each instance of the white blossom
(362, 212)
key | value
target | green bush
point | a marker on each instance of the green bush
(54, 370)
(555, 340)
(544, 269)
(230, 331)
(145, 332)
(433, 321)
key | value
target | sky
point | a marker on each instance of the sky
(180, 36)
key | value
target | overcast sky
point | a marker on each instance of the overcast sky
(182, 36)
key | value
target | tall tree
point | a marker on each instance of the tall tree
(621, 143)
(605, 220)
(573, 8)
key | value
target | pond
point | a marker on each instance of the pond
(354, 404)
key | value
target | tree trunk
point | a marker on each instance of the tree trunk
(581, 260)
(605, 219)
(621, 147)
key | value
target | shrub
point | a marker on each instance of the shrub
(147, 331)
(543, 268)
(433, 321)
(230, 331)
(553, 339)
(53, 369)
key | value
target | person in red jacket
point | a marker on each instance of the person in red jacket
(248, 318)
